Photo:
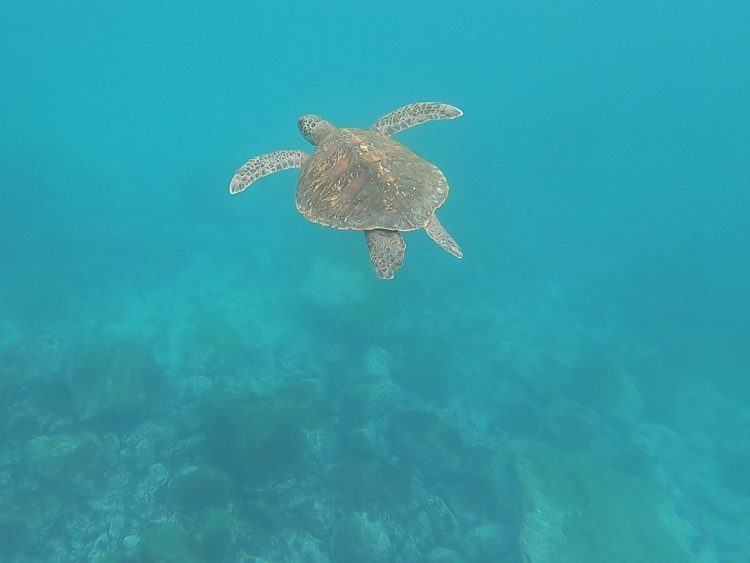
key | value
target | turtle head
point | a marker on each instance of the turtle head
(313, 128)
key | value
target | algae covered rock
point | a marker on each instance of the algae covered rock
(422, 437)
(168, 543)
(489, 541)
(569, 424)
(114, 379)
(443, 555)
(216, 533)
(359, 539)
(201, 486)
(578, 511)
(26, 516)
(213, 345)
(601, 384)
(71, 461)
(259, 440)
(371, 483)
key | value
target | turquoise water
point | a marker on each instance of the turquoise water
(191, 376)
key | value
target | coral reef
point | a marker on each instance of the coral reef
(374, 450)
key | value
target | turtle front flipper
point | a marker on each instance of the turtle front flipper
(387, 249)
(438, 233)
(414, 114)
(264, 165)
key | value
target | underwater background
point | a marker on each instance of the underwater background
(187, 376)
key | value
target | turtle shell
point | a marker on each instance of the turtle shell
(359, 179)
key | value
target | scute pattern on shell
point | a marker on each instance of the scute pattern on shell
(359, 179)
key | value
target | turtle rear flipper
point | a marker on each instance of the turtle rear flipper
(414, 114)
(387, 249)
(264, 165)
(438, 233)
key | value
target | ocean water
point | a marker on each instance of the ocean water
(189, 376)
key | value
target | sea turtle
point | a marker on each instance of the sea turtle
(362, 179)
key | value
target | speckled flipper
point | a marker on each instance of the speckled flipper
(264, 165)
(438, 233)
(387, 250)
(414, 114)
